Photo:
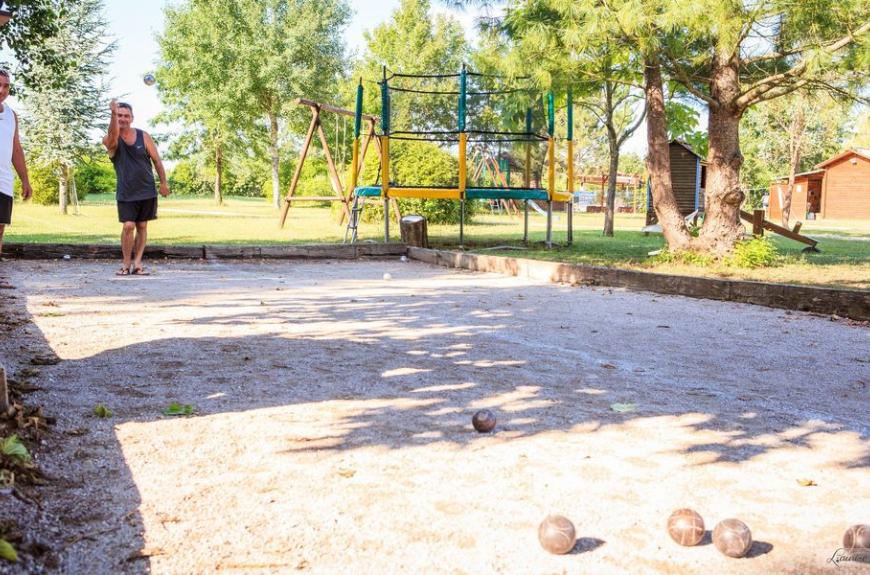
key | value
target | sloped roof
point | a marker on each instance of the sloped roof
(810, 173)
(688, 147)
(863, 152)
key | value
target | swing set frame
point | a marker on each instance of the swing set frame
(342, 193)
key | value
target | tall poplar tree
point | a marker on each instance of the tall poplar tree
(66, 96)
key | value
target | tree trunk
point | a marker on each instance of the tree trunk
(611, 183)
(63, 189)
(795, 137)
(273, 152)
(218, 174)
(722, 227)
(659, 160)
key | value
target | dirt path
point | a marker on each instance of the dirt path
(332, 432)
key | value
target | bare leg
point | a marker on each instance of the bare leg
(141, 238)
(127, 241)
(2, 229)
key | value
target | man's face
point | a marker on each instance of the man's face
(4, 88)
(125, 117)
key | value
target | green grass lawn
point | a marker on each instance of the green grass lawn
(844, 261)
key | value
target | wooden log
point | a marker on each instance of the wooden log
(758, 222)
(4, 391)
(414, 231)
(770, 226)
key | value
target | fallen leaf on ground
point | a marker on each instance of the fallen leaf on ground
(7, 551)
(608, 366)
(345, 472)
(178, 409)
(807, 483)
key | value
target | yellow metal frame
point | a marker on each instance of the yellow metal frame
(354, 164)
(426, 193)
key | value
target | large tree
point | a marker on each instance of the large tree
(730, 55)
(26, 35)
(65, 97)
(230, 78)
(604, 76)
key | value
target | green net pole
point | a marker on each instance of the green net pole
(551, 114)
(357, 120)
(463, 82)
(570, 114)
(385, 104)
(528, 120)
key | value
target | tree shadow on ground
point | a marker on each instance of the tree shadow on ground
(399, 366)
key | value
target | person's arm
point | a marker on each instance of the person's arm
(20, 163)
(110, 141)
(158, 164)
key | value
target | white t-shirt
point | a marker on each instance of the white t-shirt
(7, 135)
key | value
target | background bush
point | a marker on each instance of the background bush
(419, 164)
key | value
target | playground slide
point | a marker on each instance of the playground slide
(543, 212)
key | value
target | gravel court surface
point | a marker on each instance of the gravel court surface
(332, 430)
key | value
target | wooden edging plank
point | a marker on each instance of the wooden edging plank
(849, 303)
(107, 252)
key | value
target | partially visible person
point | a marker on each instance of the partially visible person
(11, 156)
(133, 152)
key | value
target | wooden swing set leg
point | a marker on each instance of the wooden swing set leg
(315, 122)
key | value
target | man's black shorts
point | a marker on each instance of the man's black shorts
(5, 209)
(137, 211)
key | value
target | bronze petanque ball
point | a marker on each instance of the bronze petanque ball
(686, 527)
(856, 537)
(483, 421)
(732, 537)
(557, 534)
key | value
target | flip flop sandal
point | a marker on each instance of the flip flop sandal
(141, 271)
(123, 272)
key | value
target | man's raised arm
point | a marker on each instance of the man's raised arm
(111, 139)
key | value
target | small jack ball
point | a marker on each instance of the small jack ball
(732, 538)
(557, 534)
(686, 527)
(149, 79)
(483, 421)
(388, 276)
(856, 537)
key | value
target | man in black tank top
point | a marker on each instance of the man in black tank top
(132, 152)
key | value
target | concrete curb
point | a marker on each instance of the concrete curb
(854, 304)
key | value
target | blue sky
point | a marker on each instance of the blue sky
(136, 24)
